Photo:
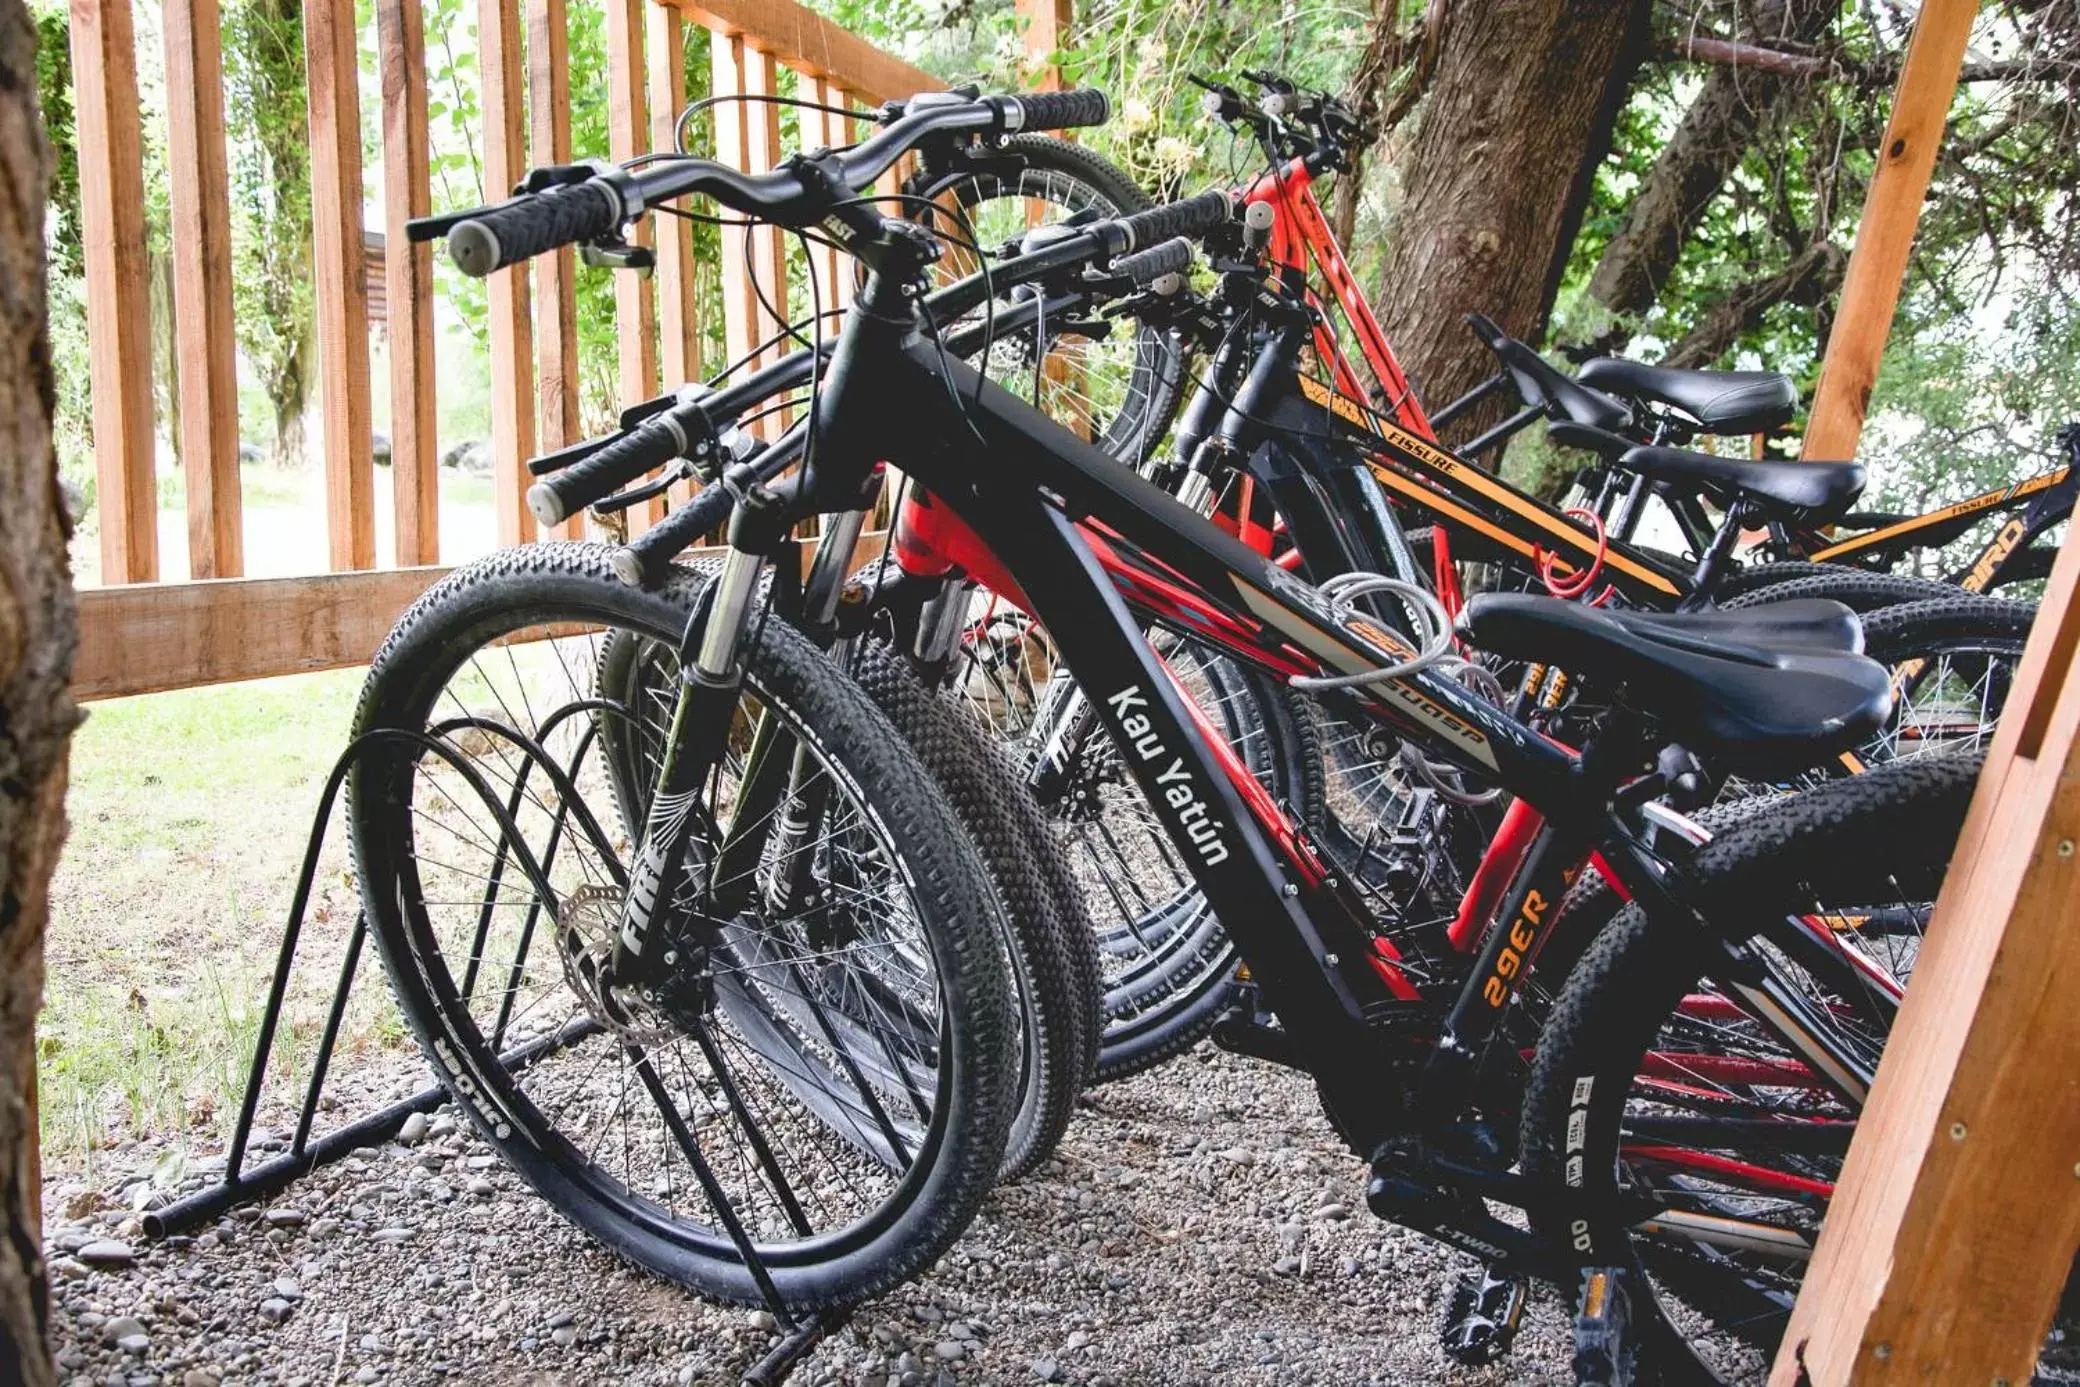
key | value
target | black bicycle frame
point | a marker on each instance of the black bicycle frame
(1326, 461)
(1039, 499)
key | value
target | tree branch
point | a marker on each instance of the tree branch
(1780, 62)
(1809, 279)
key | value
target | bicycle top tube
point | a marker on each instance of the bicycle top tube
(1301, 232)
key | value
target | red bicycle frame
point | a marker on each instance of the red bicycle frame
(1300, 233)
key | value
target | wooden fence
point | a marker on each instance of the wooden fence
(139, 633)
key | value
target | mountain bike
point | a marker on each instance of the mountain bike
(1404, 1060)
(1629, 415)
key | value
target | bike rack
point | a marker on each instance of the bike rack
(242, 1185)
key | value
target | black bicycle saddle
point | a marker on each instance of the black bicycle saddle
(1763, 691)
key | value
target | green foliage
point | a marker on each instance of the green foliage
(54, 97)
(267, 122)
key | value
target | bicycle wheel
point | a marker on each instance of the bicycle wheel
(1856, 588)
(1050, 957)
(821, 1076)
(1654, 1086)
(1167, 964)
(1954, 660)
(1116, 382)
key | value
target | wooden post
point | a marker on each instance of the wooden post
(679, 344)
(635, 312)
(1953, 1226)
(332, 68)
(829, 269)
(556, 289)
(205, 339)
(408, 283)
(1885, 238)
(512, 338)
(1046, 33)
(730, 60)
(119, 325)
(767, 270)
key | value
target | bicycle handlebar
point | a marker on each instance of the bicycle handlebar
(689, 427)
(805, 191)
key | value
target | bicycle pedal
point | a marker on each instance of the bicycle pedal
(1239, 1032)
(1482, 1317)
(1604, 1354)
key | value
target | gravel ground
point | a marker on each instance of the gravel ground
(1200, 1225)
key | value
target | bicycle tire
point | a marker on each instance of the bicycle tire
(1044, 167)
(557, 587)
(1855, 839)
(1052, 955)
(1857, 588)
(1892, 636)
(1055, 956)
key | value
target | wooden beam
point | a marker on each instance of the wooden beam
(1953, 1225)
(119, 325)
(555, 284)
(678, 326)
(1885, 237)
(1046, 33)
(176, 635)
(635, 311)
(408, 283)
(811, 44)
(332, 68)
(205, 338)
(152, 637)
(512, 337)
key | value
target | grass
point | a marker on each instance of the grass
(189, 813)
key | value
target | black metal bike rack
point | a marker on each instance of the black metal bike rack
(242, 1185)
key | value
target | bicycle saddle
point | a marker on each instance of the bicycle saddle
(1820, 492)
(1539, 382)
(1722, 401)
(1762, 691)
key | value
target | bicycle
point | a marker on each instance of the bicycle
(1397, 1056)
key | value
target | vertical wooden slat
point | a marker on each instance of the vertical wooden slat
(408, 283)
(119, 328)
(1046, 32)
(1885, 237)
(555, 285)
(512, 337)
(679, 350)
(204, 335)
(333, 72)
(635, 312)
(728, 59)
(768, 243)
(827, 266)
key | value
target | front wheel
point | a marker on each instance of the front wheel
(818, 1075)
(1115, 382)
(1697, 1148)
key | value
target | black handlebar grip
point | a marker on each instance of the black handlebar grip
(563, 493)
(641, 563)
(512, 231)
(1063, 110)
(1192, 218)
(1146, 267)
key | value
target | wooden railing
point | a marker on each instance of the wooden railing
(140, 634)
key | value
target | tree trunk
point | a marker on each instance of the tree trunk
(36, 711)
(1710, 142)
(1497, 175)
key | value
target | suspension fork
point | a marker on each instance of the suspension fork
(711, 676)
